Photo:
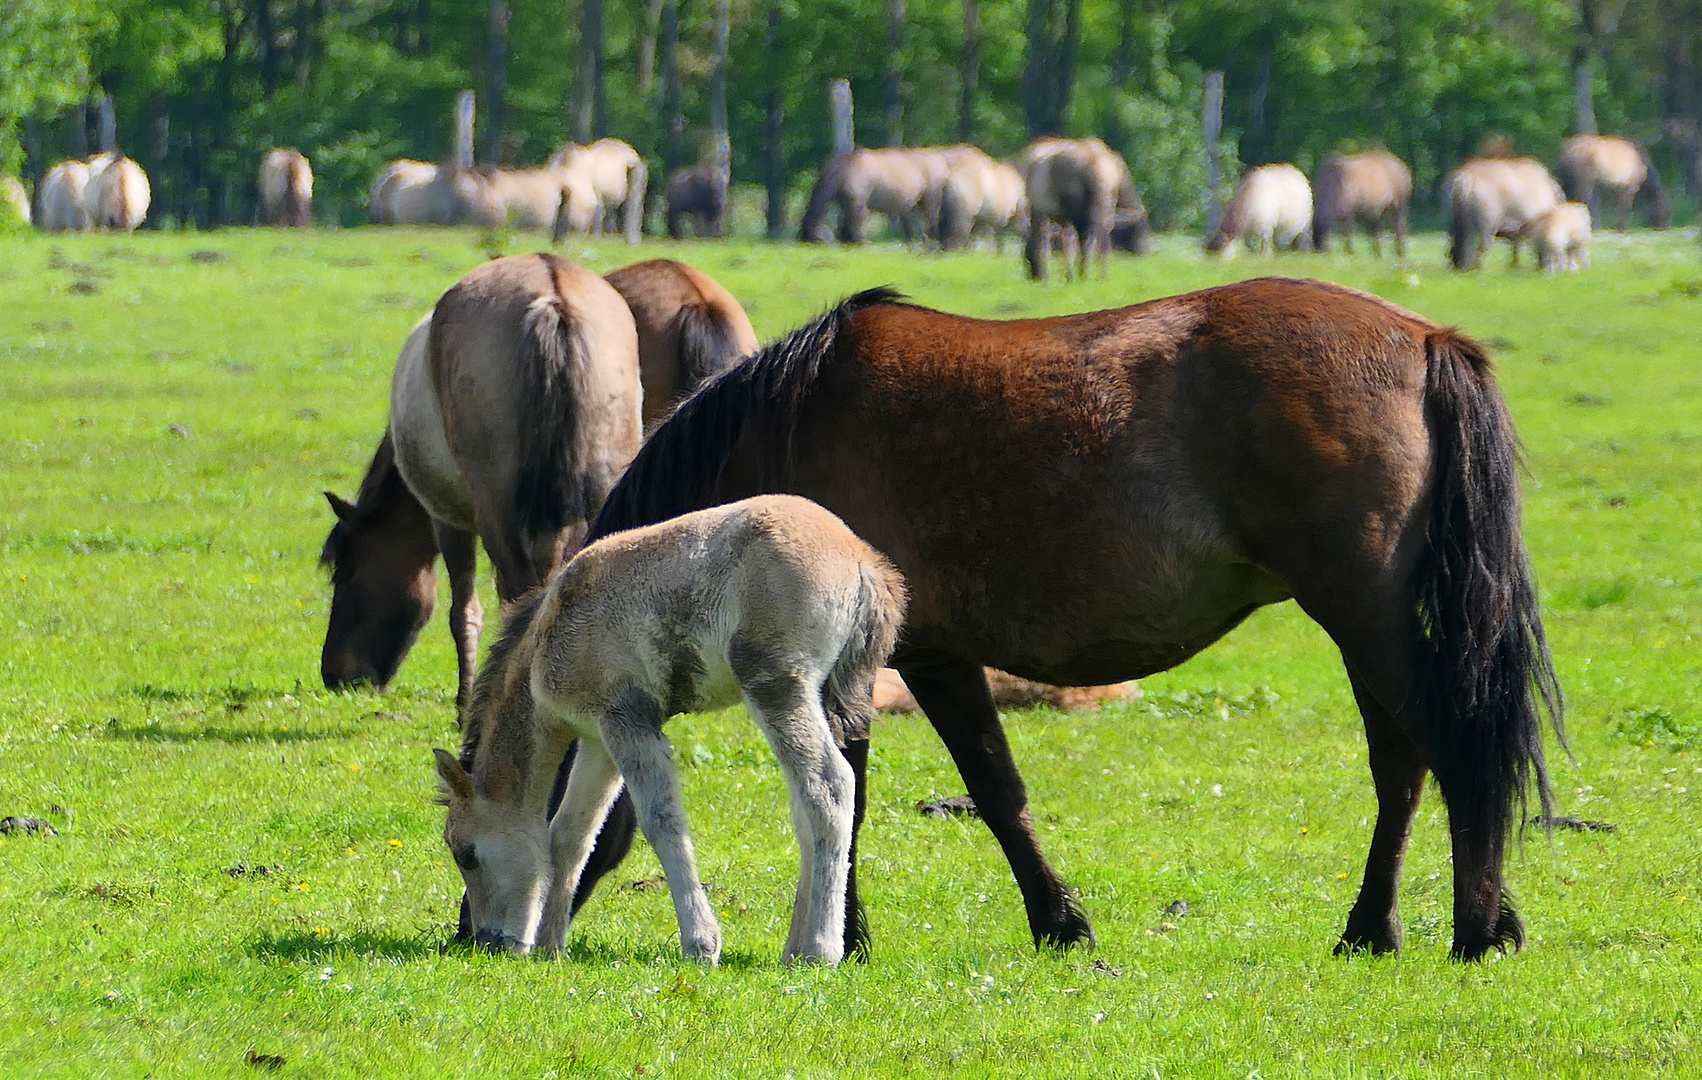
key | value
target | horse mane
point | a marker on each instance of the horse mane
(517, 619)
(379, 484)
(551, 490)
(677, 468)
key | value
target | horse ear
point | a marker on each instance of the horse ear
(343, 508)
(453, 775)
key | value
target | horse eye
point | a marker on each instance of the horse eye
(467, 858)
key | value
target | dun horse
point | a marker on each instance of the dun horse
(513, 408)
(1619, 165)
(286, 188)
(1561, 237)
(419, 193)
(1073, 187)
(773, 600)
(689, 328)
(1495, 196)
(904, 183)
(1271, 210)
(12, 192)
(601, 178)
(1370, 189)
(981, 196)
(61, 198)
(530, 198)
(1177, 465)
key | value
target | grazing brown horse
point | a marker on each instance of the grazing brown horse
(689, 328)
(1369, 189)
(513, 409)
(700, 193)
(1177, 464)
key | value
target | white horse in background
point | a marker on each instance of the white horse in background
(286, 188)
(599, 179)
(772, 600)
(420, 193)
(1271, 210)
(1561, 237)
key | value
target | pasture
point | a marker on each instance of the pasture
(248, 865)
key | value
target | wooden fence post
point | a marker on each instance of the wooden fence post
(1211, 123)
(1584, 99)
(839, 94)
(464, 129)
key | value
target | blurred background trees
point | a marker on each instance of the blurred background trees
(202, 87)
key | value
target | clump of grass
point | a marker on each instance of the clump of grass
(1655, 728)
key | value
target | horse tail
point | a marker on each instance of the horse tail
(679, 467)
(1660, 204)
(1326, 198)
(1461, 251)
(822, 196)
(877, 613)
(552, 489)
(632, 214)
(704, 343)
(1485, 672)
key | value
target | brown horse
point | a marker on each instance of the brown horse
(1178, 464)
(700, 193)
(513, 408)
(1073, 188)
(1619, 165)
(1368, 189)
(689, 328)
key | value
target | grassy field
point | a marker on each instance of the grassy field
(246, 863)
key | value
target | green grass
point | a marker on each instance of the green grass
(167, 436)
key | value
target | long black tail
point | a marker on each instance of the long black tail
(705, 343)
(553, 487)
(677, 469)
(1487, 675)
(1462, 251)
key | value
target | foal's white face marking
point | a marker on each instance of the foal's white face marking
(503, 855)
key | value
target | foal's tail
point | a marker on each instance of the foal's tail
(553, 484)
(877, 615)
(1486, 676)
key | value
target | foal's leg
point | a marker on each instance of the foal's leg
(632, 731)
(957, 701)
(466, 614)
(591, 790)
(820, 786)
(1397, 770)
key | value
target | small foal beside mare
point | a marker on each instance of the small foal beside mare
(771, 599)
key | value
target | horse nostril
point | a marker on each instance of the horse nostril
(343, 672)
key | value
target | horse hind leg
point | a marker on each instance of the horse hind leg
(1397, 772)
(466, 614)
(957, 701)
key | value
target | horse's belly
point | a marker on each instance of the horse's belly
(416, 429)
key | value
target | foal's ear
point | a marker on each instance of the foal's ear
(343, 508)
(453, 775)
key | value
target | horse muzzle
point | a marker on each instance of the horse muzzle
(496, 941)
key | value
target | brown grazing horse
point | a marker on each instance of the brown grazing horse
(1369, 189)
(1177, 464)
(700, 193)
(689, 328)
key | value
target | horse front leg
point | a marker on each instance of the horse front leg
(591, 790)
(466, 614)
(956, 699)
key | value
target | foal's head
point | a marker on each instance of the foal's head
(382, 554)
(496, 829)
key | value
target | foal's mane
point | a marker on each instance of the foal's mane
(677, 468)
(517, 619)
(380, 482)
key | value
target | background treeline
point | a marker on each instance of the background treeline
(201, 87)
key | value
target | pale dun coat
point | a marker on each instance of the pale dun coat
(61, 198)
(1617, 164)
(286, 188)
(597, 180)
(1271, 210)
(117, 195)
(1493, 196)
(772, 600)
(1561, 237)
(12, 191)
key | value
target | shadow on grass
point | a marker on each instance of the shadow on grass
(297, 946)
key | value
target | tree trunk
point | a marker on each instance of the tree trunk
(969, 71)
(1123, 59)
(266, 42)
(77, 138)
(1258, 133)
(721, 148)
(496, 78)
(892, 105)
(673, 119)
(1584, 101)
(464, 107)
(422, 24)
(159, 147)
(773, 134)
(35, 167)
(647, 48)
(1053, 37)
(218, 188)
(108, 125)
(590, 108)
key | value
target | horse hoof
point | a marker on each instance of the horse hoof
(1065, 930)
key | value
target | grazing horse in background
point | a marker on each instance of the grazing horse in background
(1369, 188)
(700, 193)
(772, 600)
(61, 198)
(286, 188)
(1494, 196)
(904, 183)
(118, 194)
(1561, 237)
(417, 193)
(1618, 164)
(514, 407)
(603, 177)
(689, 328)
(529, 198)
(1177, 465)
(1271, 210)
(982, 196)
(12, 192)
(1073, 185)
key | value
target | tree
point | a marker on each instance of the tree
(1049, 69)
(969, 70)
(892, 95)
